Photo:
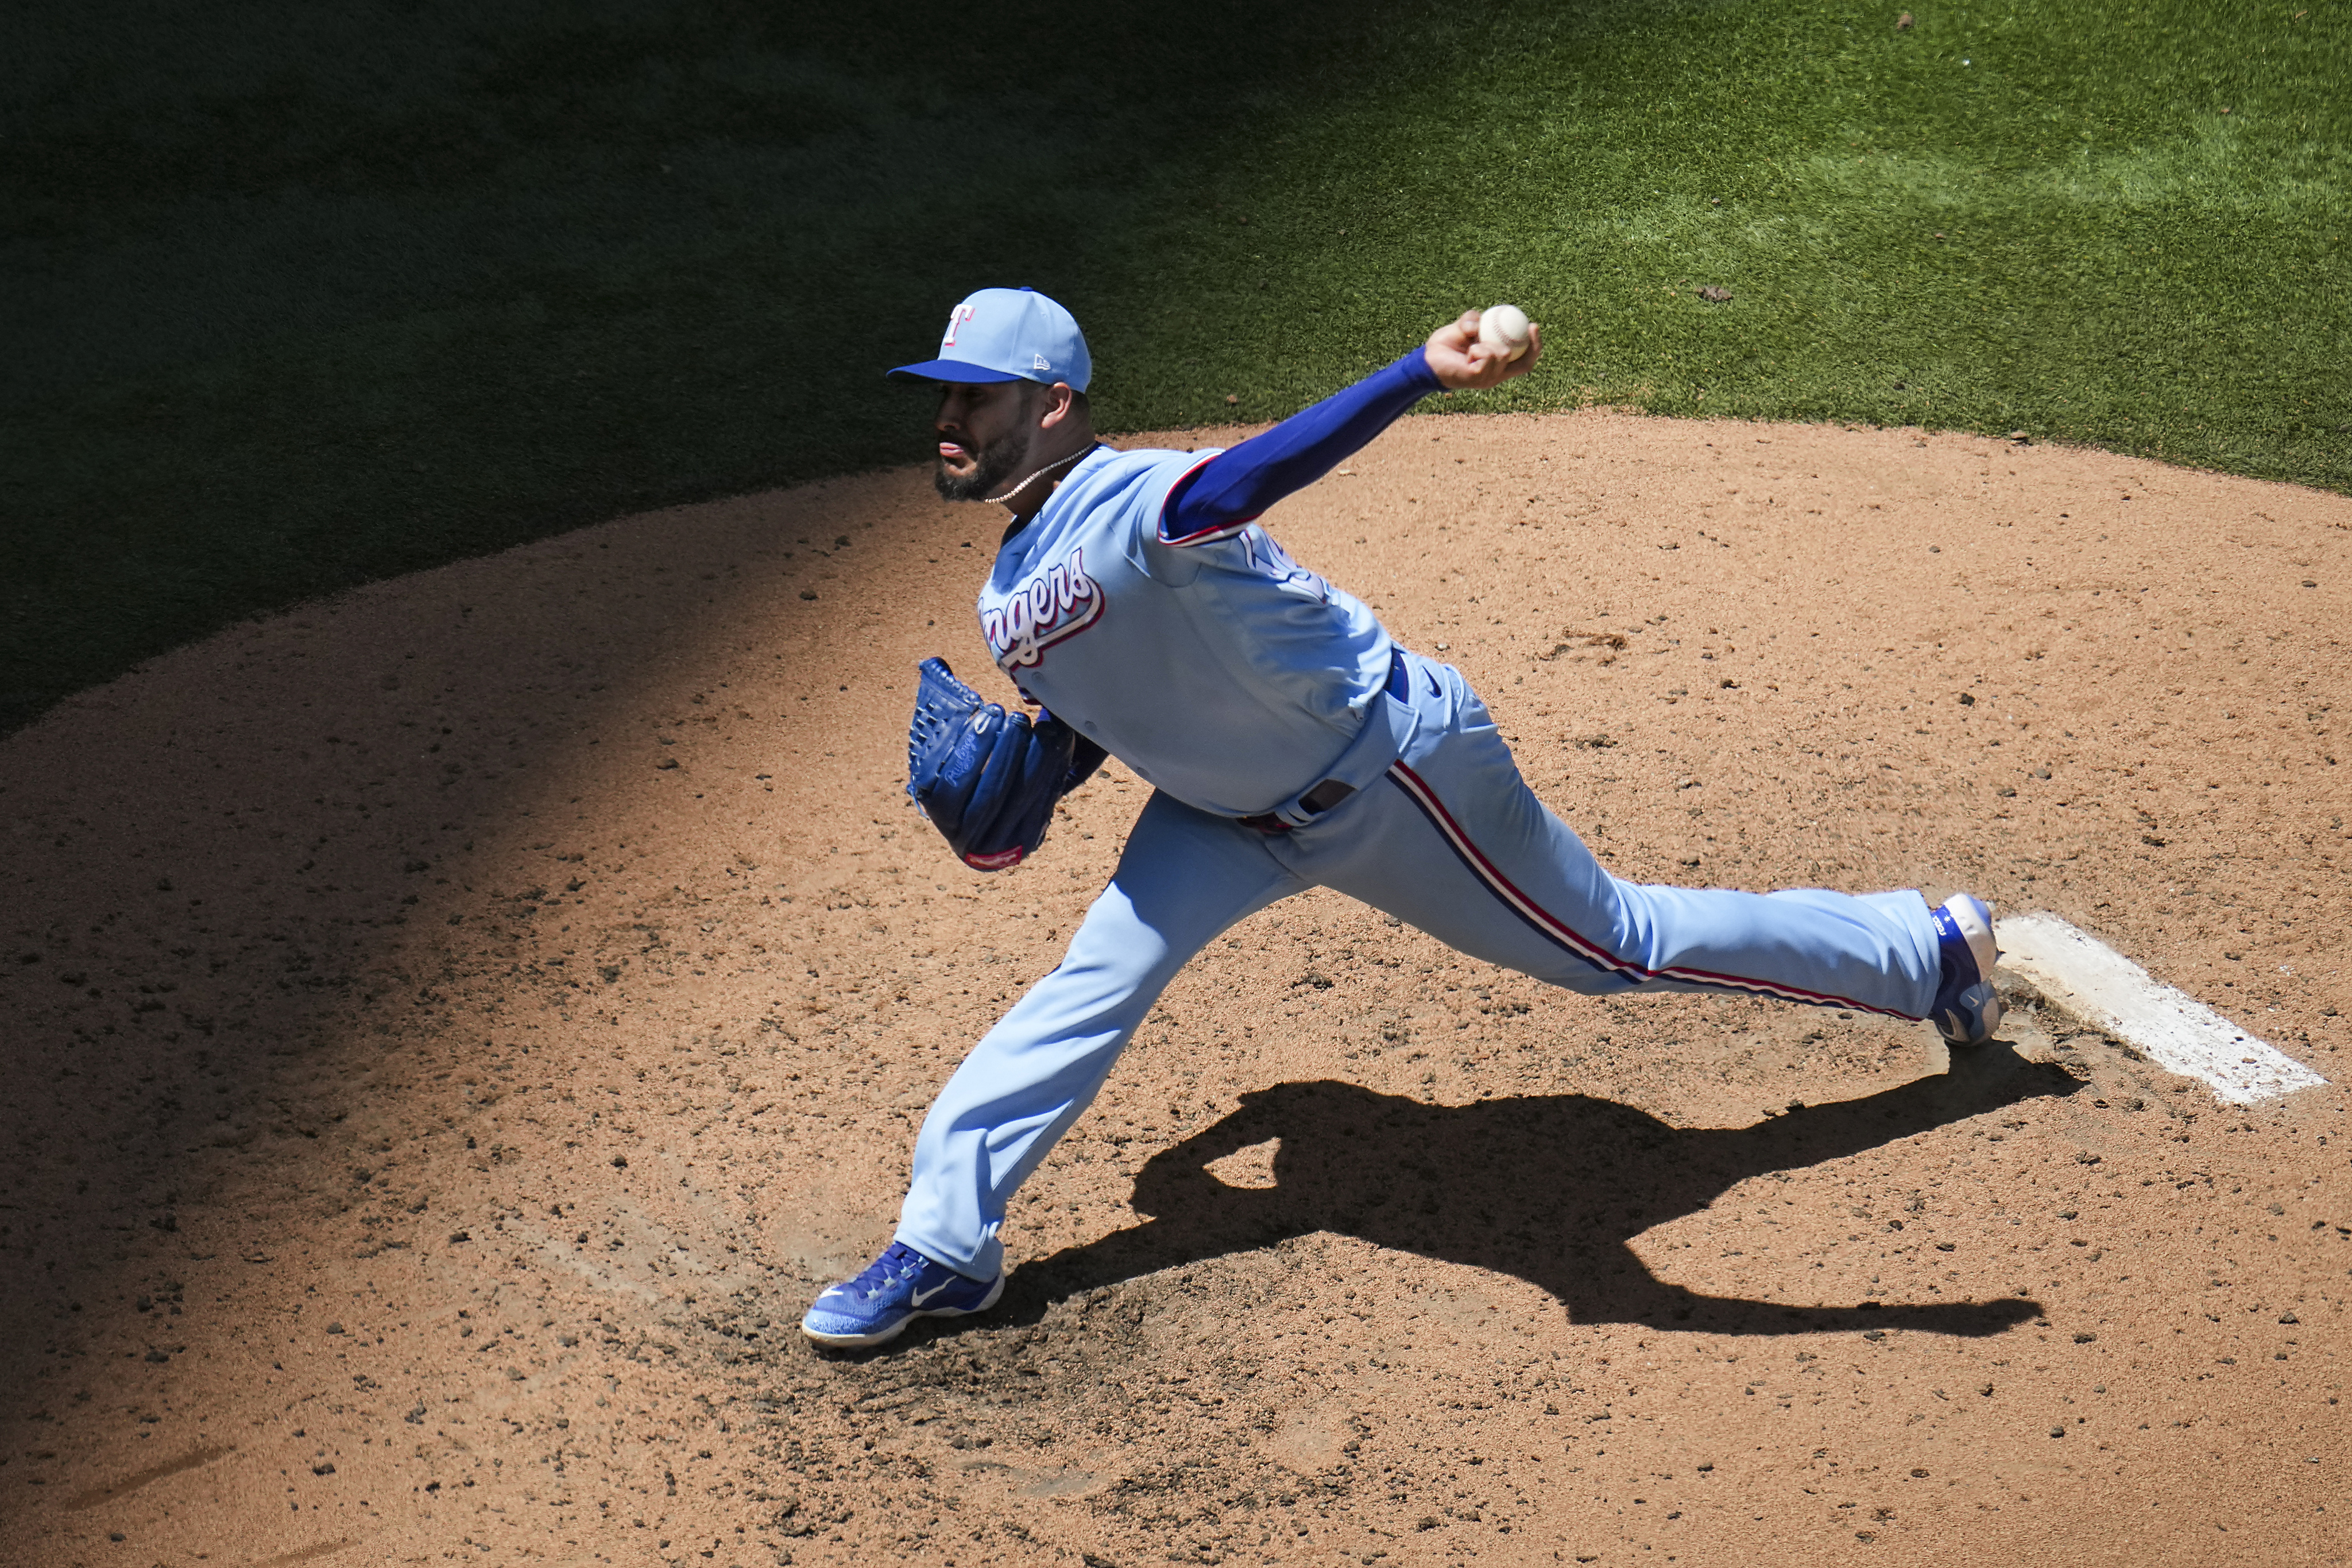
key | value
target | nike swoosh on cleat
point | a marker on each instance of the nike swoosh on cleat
(922, 1296)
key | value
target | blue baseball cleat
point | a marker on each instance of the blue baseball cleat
(896, 1289)
(1968, 1008)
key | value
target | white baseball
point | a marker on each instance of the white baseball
(1504, 329)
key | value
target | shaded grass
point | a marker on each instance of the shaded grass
(304, 296)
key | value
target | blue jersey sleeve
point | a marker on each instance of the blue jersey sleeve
(1228, 492)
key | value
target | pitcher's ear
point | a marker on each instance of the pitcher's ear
(1060, 400)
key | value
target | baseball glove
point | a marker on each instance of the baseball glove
(987, 778)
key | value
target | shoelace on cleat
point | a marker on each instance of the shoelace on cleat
(885, 1269)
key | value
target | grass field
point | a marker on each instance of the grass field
(299, 296)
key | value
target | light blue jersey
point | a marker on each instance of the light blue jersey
(1213, 665)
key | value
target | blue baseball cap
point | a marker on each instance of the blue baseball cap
(1008, 335)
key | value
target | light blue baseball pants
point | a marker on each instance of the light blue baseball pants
(1453, 842)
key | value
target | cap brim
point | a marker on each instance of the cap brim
(953, 371)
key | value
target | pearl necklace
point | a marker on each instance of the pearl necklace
(1073, 457)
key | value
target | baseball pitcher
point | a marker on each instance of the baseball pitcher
(1291, 743)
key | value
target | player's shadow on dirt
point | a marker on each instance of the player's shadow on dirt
(1546, 1187)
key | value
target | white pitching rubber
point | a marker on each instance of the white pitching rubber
(2175, 1031)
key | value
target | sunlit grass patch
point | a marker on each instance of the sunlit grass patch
(301, 298)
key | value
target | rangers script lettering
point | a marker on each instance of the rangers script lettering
(1059, 603)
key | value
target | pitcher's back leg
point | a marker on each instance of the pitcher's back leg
(1454, 843)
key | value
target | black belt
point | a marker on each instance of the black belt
(1331, 791)
(1318, 800)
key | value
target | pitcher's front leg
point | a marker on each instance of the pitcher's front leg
(1184, 877)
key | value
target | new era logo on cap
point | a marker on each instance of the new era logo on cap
(1007, 335)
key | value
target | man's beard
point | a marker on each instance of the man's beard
(996, 463)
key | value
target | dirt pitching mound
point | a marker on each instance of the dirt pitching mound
(454, 1029)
